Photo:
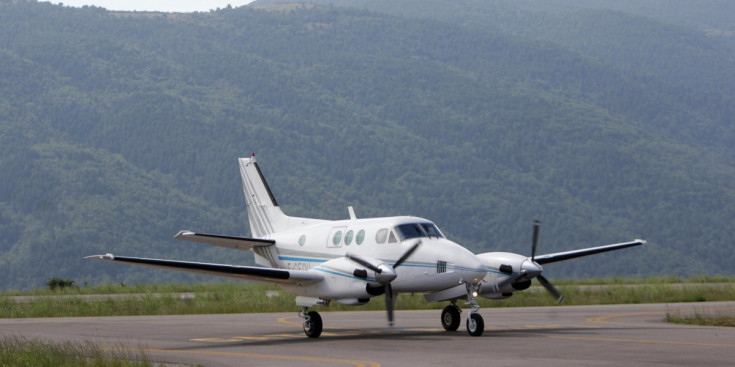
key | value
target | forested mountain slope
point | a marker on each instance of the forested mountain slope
(119, 129)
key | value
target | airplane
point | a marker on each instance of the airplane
(350, 261)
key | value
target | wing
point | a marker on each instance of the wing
(255, 273)
(238, 243)
(561, 256)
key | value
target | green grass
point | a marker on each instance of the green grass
(703, 318)
(217, 298)
(18, 351)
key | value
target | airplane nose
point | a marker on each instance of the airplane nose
(473, 270)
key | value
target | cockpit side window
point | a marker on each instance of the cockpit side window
(392, 238)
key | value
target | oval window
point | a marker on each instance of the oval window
(381, 236)
(360, 237)
(348, 237)
(337, 238)
(302, 240)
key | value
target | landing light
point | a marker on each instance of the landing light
(474, 293)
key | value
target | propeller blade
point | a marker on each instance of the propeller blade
(510, 280)
(364, 263)
(549, 287)
(536, 224)
(407, 254)
(389, 303)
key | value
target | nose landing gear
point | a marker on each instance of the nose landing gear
(450, 317)
(312, 322)
(475, 324)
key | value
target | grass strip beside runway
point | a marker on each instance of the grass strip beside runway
(220, 298)
(18, 351)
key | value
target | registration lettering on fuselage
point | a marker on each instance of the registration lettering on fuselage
(298, 265)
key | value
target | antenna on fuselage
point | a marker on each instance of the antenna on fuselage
(352, 213)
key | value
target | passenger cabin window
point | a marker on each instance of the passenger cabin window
(348, 237)
(360, 237)
(381, 236)
(335, 237)
(417, 230)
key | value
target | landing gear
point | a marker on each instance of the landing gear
(475, 324)
(450, 317)
(312, 323)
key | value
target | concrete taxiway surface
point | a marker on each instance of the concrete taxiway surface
(613, 335)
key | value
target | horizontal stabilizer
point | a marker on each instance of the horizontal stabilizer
(268, 275)
(561, 256)
(238, 243)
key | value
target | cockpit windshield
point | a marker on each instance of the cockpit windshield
(431, 230)
(416, 230)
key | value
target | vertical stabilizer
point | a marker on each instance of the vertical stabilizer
(263, 212)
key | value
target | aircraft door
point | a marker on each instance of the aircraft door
(335, 238)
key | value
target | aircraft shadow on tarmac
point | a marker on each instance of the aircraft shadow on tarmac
(331, 335)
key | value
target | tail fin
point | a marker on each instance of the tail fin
(263, 212)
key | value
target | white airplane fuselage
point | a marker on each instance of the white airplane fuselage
(437, 264)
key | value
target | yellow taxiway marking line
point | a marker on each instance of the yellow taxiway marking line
(285, 320)
(605, 319)
(284, 357)
(241, 338)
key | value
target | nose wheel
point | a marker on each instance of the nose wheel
(312, 323)
(475, 324)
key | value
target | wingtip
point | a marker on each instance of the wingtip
(183, 233)
(101, 257)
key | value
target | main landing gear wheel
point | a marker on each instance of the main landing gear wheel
(450, 318)
(312, 324)
(475, 324)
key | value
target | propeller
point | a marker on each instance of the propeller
(544, 282)
(536, 225)
(385, 274)
(549, 287)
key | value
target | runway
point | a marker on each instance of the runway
(540, 336)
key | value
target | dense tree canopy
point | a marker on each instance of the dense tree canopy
(119, 129)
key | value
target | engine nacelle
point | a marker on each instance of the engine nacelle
(500, 267)
(341, 283)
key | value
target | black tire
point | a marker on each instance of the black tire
(450, 318)
(475, 325)
(313, 327)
